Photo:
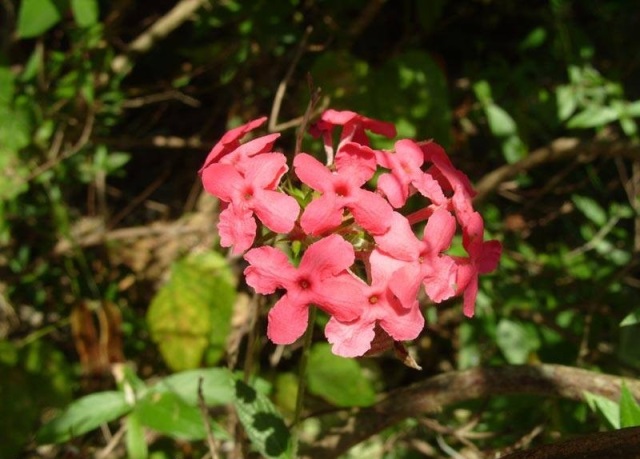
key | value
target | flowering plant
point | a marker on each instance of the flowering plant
(340, 236)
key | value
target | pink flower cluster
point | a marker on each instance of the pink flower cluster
(360, 260)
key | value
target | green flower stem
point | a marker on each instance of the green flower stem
(302, 380)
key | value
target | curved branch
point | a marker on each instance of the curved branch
(618, 444)
(434, 394)
(160, 29)
(558, 150)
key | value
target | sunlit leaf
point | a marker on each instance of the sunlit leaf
(338, 380)
(217, 385)
(37, 16)
(500, 122)
(167, 413)
(592, 116)
(84, 415)
(631, 319)
(590, 208)
(85, 12)
(136, 442)
(629, 409)
(192, 312)
(608, 409)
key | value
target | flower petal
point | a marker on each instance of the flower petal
(237, 228)
(371, 211)
(322, 214)
(312, 172)
(269, 269)
(287, 321)
(327, 257)
(349, 339)
(221, 180)
(278, 211)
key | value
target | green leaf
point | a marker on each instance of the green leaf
(35, 17)
(631, 319)
(609, 409)
(629, 409)
(567, 102)
(338, 380)
(263, 424)
(136, 442)
(167, 413)
(84, 415)
(85, 12)
(500, 122)
(217, 386)
(592, 116)
(516, 341)
(633, 109)
(192, 312)
(591, 209)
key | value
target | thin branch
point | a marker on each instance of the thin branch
(618, 444)
(159, 30)
(282, 87)
(558, 150)
(435, 394)
(211, 441)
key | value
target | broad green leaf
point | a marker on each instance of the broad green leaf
(15, 127)
(167, 413)
(629, 409)
(136, 442)
(516, 341)
(192, 312)
(500, 122)
(633, 109)
(338, 380)
(35, 17)
(567, 101)
(264, 426)
(85, 12)
(593, 116)
(513, 149)
(590, 208)
(217, 386)
(609, 409)
(631, 319)
(84, 415)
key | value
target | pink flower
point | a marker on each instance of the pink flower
(321, 279)
(483, 258)
(353, 125)
(405, 165)
(379, 306)
(424, 261)
(229, 144)
(251, 192)
(341, 189)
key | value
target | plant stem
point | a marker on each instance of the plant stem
(302, 382)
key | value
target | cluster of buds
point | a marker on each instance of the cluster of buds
(338, 235)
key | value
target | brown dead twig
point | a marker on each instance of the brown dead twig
(177, 16)
(436, 393)
(560, 149)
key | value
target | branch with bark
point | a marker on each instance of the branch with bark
(439, 392)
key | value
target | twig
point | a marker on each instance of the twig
(211, 441)
(618, 444)
(282, 87)
(436, 393)
(558, 150)
(159, 30)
